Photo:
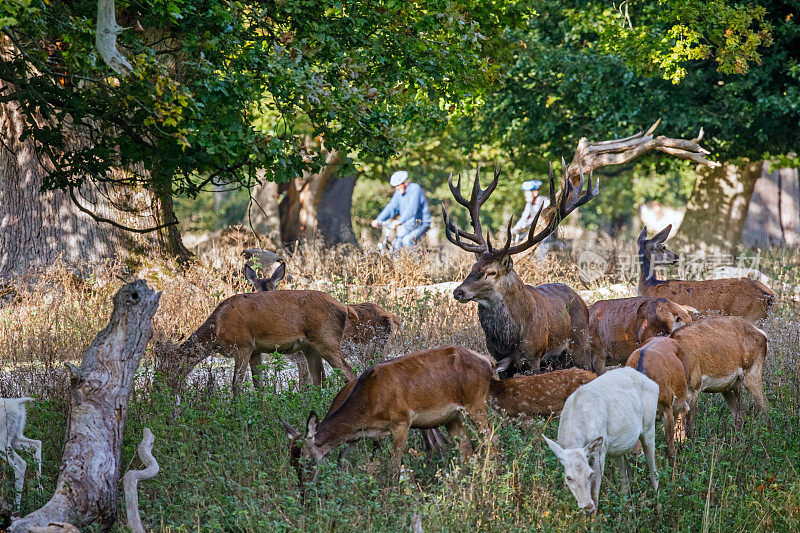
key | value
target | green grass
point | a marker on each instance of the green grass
(224, 466)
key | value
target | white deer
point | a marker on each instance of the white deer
(603, 418)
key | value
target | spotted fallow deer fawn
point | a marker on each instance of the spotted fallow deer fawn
(522, 322)
(425, 389)
(742, 297)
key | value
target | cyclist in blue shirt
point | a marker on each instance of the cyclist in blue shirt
(410, 206)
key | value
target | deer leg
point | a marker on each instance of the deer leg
(733, 398)
(669, 434)
(755, 385)
(477, 413)
(455, 428)
(256, 370)
(598, 466)
(36, 446)
(241, 358)
(622, 466)
(332, 353)
(648, 440)
(400, 439)
(691, 401)
(314, 367)
(19, 466)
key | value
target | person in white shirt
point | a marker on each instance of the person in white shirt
(533, 203)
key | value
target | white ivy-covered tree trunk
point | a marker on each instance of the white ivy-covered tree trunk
(87, 491)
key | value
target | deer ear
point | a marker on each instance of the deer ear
(662, 235)
(558, 450)
(642, 236)
(503, 365)
(506, 262)
(290, 431)
(250, 274)
(594, 446)
(279, 273)
(312, 424)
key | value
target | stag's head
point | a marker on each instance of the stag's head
(304, 454)
(654, 250)
(490, 274)
(265, 284)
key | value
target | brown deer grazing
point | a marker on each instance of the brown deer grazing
(245, 326)
(721, 353)
(522, 322)
(265, 284)
(660, 360)
(742, 297)
(425, 389)
(363, 336)
(529, 397)
(617, 327)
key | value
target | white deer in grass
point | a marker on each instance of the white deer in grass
(605, 418)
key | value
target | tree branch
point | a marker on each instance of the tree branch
(131, 480)
(98, 218)
(106, 38)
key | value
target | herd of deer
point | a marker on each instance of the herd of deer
(667, 358)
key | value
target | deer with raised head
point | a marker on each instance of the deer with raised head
(660, 360)
(617, 327)
(425, 390)
(720, 355)
(528, 323)
(245, 326)
(265, 284)
(742, 297)
(521, 322)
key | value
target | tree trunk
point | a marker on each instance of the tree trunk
(37, 228)
(87, 490)
(299, 208)
(334, 219)
(718, 206)
(773, 219)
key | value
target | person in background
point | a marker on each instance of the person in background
(410, 206)
(533, 203)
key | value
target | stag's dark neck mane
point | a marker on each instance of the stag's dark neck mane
(502, 328)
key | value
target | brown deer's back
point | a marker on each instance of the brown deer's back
(718, 346)
(278, 318)
(620, 326)
(742, 297)
(662, 363)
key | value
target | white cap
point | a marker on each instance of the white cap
(398, 177)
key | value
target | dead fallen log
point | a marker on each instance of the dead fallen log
(87, 488)
(131, 479)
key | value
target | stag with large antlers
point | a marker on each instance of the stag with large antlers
(522, 322)
(528, 323)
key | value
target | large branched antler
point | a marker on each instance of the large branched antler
(593, 155)
(571, 198)
(479, 196)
